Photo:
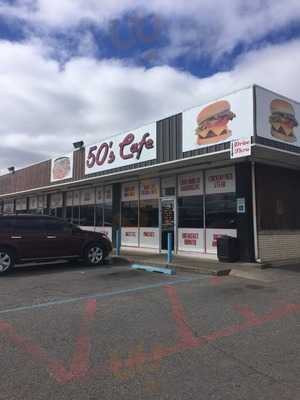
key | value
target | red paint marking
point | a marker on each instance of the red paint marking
(215, 280)
(185, 333)
(80, 365)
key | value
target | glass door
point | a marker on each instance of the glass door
(167, 221)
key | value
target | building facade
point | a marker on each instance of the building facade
(230, 167)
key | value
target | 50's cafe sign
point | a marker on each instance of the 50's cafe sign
(126, 149)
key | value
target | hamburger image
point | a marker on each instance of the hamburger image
(212, 123)
(283, 121)
(61, 168)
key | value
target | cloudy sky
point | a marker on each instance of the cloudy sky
(88, 69)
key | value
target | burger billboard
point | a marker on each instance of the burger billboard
(219, 121)
(62, 168)
(278, 118)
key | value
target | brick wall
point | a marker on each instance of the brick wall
(279, 245)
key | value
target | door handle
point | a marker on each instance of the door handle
(51, 237)
(16, 237)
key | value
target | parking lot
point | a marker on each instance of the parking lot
(69, 332)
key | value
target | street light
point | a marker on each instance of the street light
(78, 145)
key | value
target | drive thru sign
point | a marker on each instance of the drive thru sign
(240, 148)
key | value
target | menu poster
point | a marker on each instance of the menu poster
(33, 204)
(21, 204)
(190, 185)
(221, 180)
(42, 201)
(168, 214)
(149, 189)
(8, 206)
(69, 199)
(99, 195)
(108, 194)
(56, 200)
(149, 238)
(130, 237)
(76, 198)
(191, 240)
(87, 196)
(212, 236)
(130, 191)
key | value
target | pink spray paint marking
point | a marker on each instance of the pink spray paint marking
(80, 368)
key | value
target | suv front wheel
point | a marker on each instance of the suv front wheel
(94, 254)
(6, 261)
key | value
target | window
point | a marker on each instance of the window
(69, 214)
(6, 224)
(149, 214)
(55, 225)
(221, 211)
(130, 214)
(108, 215)
(29, 225)
(190, 212)
(87, 216)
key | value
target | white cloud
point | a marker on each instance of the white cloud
(45, 108)
(193, 26)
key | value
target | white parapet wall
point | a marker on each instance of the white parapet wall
(279, 245)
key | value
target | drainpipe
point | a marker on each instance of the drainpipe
(254, 213)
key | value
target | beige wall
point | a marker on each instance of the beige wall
(279, 245)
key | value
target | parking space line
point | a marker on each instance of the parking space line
(98, 295)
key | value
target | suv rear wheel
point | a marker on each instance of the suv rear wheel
(94, 254)
(6, 261)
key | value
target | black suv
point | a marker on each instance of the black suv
(27, 238)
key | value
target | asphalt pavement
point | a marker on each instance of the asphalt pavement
(70, 332)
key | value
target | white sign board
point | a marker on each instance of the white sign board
(149, 238)
(190, 185)
(278, 118)
(240, 148)
(130, 191)
(191, 240)
(221, 180)
(130, 237)
(221, 121)
(149, 189)
(212, 235)
(126, 149)
(62, 168)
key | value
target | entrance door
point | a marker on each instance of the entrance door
(167, 222)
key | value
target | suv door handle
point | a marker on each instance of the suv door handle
(16, 237)
(51, 237)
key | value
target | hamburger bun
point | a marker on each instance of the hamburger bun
(282, 136)
(214, 139)
(213, 109)
(282, 106)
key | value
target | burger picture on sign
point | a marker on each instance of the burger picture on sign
(283, 120)
(213, 123)
(61, 168)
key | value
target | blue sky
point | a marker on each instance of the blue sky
(73, 69)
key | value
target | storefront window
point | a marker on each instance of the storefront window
(69, 214)
(99, 215)
(76, 215)
(190, 212)
(130, 214)
(221, 211)
(149, 213)
(87, 216)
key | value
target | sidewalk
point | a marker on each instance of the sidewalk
(192, 264)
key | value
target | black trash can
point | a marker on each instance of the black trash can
(228, 249)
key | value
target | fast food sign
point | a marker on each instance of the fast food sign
(62, 168)
(220, 121)
(277, 117)
(126, 149)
